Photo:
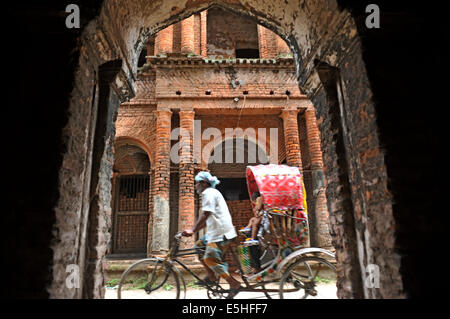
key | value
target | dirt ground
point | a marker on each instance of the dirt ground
(325, 291)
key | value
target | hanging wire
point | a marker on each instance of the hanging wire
(240, 112)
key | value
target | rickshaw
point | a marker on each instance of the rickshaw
(282, 258)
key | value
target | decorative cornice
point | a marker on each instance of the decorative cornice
(231, 96)
(195, 61)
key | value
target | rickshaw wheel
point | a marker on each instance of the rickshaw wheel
(150, 278)
(215, 294)
(309, 277)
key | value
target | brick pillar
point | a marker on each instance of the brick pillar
(282, 47)
(262, 42)
(186, 215)
(164, 41)
(291, 138)
(198, 34)
(318, 182)
(151, 196)
(203, 33)
(267, 43)
(188, 35)
(161, 211)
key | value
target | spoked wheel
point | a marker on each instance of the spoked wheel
(150, 278)
(217, 294)
(309, 277)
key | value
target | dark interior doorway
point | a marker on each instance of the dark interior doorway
(131, 214)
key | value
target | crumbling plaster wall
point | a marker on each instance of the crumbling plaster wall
(228, 32)
(314, 31)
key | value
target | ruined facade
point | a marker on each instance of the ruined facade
(235, 80)
(363, 83)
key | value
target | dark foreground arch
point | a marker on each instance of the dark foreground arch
(67, 85)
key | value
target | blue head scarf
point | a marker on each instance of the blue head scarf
(206, 176)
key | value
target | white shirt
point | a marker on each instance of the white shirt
(219, 223)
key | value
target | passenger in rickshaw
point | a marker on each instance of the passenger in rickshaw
(255, 221)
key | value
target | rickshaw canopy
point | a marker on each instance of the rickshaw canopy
(280, 186)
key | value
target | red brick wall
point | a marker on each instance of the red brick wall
(227, 31)
(203, 33)
(186, 175)
(176, 45)
(188, 35)
(164, 41)
(282, 47)
(138, 124)
(268, 46)
(291, 135)
(162, 161)
(130, 159)
(259, 80)
(241, 212)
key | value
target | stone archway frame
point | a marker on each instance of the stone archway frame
(300, 28)
(311, 32)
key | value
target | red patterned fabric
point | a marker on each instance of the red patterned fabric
(279, 185)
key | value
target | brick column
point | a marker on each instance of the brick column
(267, 43)
(262, 42)
(198, 34)
(203, 33)
(164, 41)
(318, 182)
(151, 195)
(291, 137)
(161, 211)
(188, 35)
(186, 215)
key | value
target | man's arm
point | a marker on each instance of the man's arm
(201, 223)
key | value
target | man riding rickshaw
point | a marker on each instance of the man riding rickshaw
(277, 250)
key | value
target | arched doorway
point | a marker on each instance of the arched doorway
(130, 201)
(233, 184)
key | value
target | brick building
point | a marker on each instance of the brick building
(236, 80)
(379, 98)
